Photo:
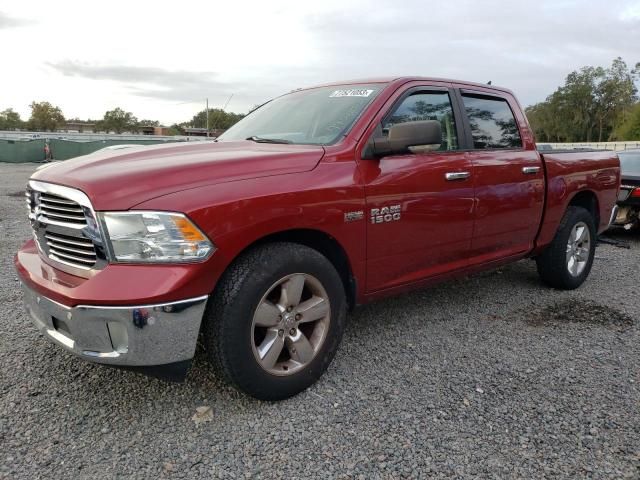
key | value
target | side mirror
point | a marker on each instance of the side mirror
(403, 137)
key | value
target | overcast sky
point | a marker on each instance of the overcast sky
(160, 60)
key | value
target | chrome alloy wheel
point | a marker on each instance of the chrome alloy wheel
(290, 324)
(578, 249)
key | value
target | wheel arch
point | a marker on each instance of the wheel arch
(556, 207)
(322, 242)
(588, 200)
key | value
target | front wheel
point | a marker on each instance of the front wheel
(275, 320)
(567, 261)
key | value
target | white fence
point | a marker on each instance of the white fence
(616, 146)
(92, 137)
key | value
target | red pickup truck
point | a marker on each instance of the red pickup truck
(319, 200)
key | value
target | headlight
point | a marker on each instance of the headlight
(154, 237)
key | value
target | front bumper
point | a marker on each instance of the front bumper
(126, 336)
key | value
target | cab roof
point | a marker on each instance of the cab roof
(402, 80)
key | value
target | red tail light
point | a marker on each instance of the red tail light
(636, 193)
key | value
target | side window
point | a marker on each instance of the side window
(492, 122)
(427, 106)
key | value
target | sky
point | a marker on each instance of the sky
(161, 60)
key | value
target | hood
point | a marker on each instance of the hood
(118, 180)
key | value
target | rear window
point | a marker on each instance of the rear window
(492, 122)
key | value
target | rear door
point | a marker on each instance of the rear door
(419, 204)
(508, 176)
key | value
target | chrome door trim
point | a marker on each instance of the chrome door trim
(452, 176)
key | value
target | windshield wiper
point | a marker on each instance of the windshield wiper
(257, 139)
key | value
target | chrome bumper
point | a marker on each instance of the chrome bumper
(131, 336)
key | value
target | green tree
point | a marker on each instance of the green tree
(590, 105)
(630, 128)
(10, 120)
(218, 119)
(117, 120)
(45, 116)
(578, 103)
(614, 94)
(149, 123)
(544, 122)
(176, 129)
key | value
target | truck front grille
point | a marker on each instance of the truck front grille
(54, 208)
(79, 251)
(64, 227)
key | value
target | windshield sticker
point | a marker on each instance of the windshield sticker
(356, 92)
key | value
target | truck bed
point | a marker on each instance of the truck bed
(568, 173)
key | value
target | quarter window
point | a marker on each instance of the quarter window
(427, 106)
(492, 122)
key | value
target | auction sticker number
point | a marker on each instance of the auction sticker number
(355, 92)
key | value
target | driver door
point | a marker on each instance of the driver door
(420, 204)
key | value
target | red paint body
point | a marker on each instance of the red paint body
(241, 192)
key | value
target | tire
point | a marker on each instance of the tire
(555, 266)
(237, 334)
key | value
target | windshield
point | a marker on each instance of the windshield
(319, 116)
(630, 163)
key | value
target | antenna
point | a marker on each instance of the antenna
(228, 100)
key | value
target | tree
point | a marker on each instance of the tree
(176, 129)
(117, 120)
(148, 123)
(630, 129)
(614, 94)
(543, 121)
(10, 120)
(218, 119)
(45, 116)
(590, 106)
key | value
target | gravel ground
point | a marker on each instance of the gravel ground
(489, 376)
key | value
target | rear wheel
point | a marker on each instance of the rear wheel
(567, 261)
(275, 320)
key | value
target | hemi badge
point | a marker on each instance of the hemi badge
(353, 216)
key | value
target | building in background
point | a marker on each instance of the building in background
(202, 132)
(154, 130)
(195, 132)
(78, 126)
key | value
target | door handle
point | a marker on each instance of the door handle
(451, 176)
(530, 170)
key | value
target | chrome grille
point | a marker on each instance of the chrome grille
(64, 227)
(54, 208)
(79, 251)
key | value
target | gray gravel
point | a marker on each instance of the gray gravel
(490, 376)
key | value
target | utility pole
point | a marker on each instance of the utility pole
(207, 114)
